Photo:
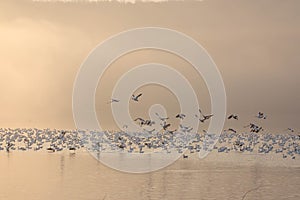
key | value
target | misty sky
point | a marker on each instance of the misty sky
(255, 45)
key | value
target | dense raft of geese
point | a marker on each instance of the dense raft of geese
(286, 145)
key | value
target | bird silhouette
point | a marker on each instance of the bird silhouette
(136, 98)
(204, 117)
(233, 116)
(261, 115)
(113, 101)
(180, 116)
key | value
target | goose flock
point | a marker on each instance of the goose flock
(183, 140)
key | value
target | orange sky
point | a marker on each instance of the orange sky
(255, 45)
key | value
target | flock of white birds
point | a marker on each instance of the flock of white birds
(182, 140)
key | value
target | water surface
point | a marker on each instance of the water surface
(62, 176)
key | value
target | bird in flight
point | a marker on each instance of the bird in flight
(261, 115)
(165, 125)
(204, 117)
(149, 131)
(161, 118)
(143, 122)
(136, 98)
(180, 116)
(233, 116)
(172, 132)
(231, 130)
(254, 128)
(251, 125)
(113, 101)
(185, 128)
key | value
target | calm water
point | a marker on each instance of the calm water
(40, 175)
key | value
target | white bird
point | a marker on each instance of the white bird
(161, 118)
(290, 129)
(149, 132)
(185, 128)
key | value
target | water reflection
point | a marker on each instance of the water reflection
(35, 176)
(62, 165)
